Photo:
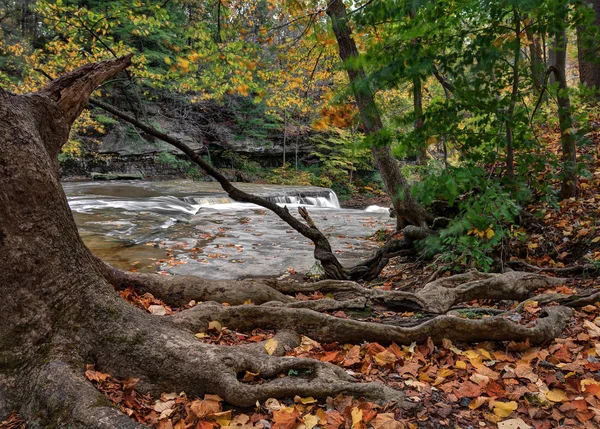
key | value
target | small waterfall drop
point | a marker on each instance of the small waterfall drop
(325, 198)
(183, 198)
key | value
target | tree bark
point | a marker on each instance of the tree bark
(408, 211)
(569, 155)
(588, 51)
(510, 156)
(418, 109)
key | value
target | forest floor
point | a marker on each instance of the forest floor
(504, 385)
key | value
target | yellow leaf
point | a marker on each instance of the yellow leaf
(357, 416)
(445, 372)
(489, 233)
(215, 325)
(223, 419)
(271, 346)
(505, 409)
(309, 400)
(183, 63)
(461, 364)
(478, 402)
(322, 416)
(201, 335)
(310, 421)
(556, 395)
(167, 60)
(425, 378)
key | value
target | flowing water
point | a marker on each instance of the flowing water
(187, 227)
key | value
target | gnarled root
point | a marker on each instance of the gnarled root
(60, 397)
(438, 296)
(325, 328)
(177, 291)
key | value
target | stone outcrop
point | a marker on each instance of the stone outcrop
(208, 128)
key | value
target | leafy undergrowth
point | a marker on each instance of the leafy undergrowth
(568, 232)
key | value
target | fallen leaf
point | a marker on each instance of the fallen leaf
(203, 407)
(286, 418)
(271, 346)
(504, 409)
(310, 421)
(513, 424)
(215, 325)
(357, 415)
(272, 404)
(478, 402)
(157, 310)
(386, 421)
(556, 395)
(385, 358)
(593, 330)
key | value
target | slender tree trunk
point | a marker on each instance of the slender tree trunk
(408, 211)
(551, 46)
(418, 109)
(284, 134)
(588, 49)
(569, 155)
(510, 168)
(296, 149)
(537, 64)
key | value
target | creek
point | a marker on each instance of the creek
(187, 227)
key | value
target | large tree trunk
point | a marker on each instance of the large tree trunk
(588, 50)
(61, 310)
(408, 211)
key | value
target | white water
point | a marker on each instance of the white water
(377, 209)
(191, 205)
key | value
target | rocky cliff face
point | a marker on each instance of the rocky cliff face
(218, 132)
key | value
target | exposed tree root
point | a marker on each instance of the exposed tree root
(574, 270)
(438, 296)
(59, 397)
(317, 379)
(573, 301)
(325, 328)
(177, 291)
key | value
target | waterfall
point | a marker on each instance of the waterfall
(183, 198)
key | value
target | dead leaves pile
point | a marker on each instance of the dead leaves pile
(145, 302)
